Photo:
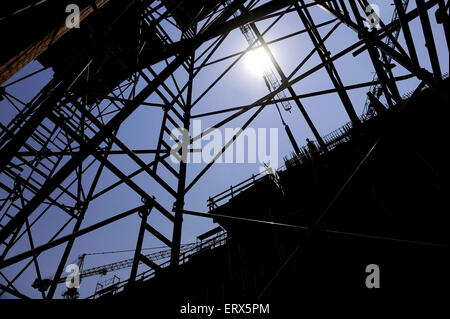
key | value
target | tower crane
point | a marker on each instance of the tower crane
(104, 269)
(270, 78)
(72, 293)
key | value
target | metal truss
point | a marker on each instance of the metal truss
(68, 130)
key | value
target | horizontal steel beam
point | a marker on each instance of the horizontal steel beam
(59, 241)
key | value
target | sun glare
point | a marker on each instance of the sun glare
(257, 61)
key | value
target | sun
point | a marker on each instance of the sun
(257, 61)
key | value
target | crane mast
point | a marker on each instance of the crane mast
(271, 80)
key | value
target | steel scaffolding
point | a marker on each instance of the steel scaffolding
(70, 128)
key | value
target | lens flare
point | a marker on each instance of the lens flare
(257, 61)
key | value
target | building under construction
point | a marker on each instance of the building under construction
(371, 192)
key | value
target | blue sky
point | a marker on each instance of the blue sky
(238, 87)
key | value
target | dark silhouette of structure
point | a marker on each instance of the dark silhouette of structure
(373, 193)
(312, 229)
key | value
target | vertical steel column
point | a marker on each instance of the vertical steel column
(181, 189)
(429, 40)
(291, 138)
(324, 56)
(442, 17)
(406, 32)
(65, 255)
(137, 253)
(373, 53)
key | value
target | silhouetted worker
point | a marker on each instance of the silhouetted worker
(313, 151)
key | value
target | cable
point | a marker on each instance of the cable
(23, 9)
(319, 220)
(276, 104)
(130, 250)
(331, 231)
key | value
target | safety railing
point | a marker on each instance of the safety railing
(338, 136)
(216, 200)
(201, 246)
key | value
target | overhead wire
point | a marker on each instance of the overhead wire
(130, 250)
(23, 9)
